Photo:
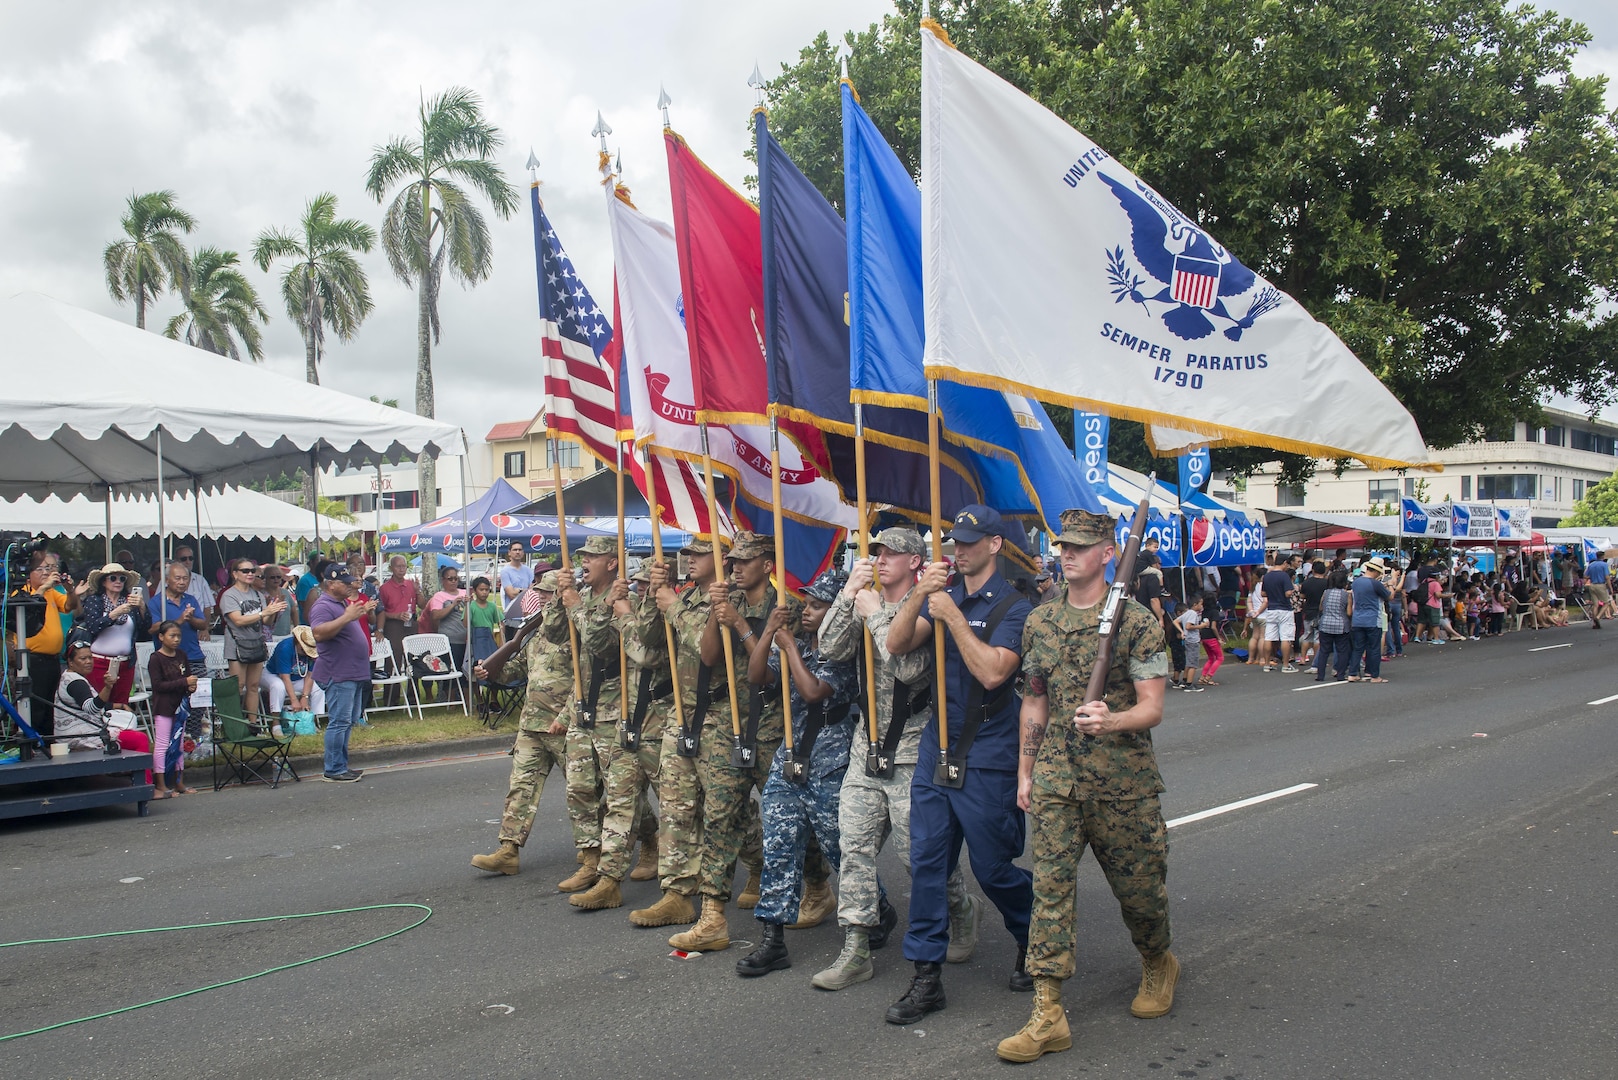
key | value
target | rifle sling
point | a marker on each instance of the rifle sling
(645, 694)
(978, 700)
(817, 719)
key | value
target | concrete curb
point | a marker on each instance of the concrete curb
(308, 764)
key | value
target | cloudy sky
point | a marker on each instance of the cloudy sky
(248, 109)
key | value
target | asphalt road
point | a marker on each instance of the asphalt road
(1442, 903)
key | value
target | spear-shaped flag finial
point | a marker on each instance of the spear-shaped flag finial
(756, 81)
(601, 130)
(663, 102)
(533, 165)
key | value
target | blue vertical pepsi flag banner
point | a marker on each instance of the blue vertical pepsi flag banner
(1090, 434)
(1194, 467)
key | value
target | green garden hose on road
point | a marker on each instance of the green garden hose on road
(427, 914)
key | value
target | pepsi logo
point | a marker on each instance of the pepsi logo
(500, 521)
(449, 541)
(1203, 537)
(415, 539)
(477, 540)
(537, 542)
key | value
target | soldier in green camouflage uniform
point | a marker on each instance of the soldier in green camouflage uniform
(1088, 777)
(872, 808)
(629, 772)
(541, 729)
(679, 785)
(729, 813)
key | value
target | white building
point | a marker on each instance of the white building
(394, 489)
(1544, 468)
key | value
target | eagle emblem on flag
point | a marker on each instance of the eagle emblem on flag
(1201, 282)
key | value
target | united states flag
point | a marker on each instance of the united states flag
(582, 360)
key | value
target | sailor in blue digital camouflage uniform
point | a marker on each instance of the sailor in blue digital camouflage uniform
(971, 795)
(801, 794)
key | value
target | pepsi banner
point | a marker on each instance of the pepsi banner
(1427, 520)
(1234, 542)
(1165, 530)
(1515, 522)
(1194, 467)
(541, 535)
(1472, 521)
(1090, 434)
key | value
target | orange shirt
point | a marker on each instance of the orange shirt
(49, 640)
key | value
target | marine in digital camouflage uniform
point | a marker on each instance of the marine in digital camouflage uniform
(871, 809)
(628, 773)
(541, 731)
(590, 612)
(823, 693)
(1089, 778)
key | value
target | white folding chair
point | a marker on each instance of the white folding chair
(422, 646)
(213, 651)
(140, 698)
(395, 672)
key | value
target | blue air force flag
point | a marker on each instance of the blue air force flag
(1053, 271)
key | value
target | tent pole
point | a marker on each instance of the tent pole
(466, 554)
(314, 489)
(109, 523)
(377, 506)
(161, 532)
(196, 505)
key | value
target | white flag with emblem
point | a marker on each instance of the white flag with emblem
(1052, 270)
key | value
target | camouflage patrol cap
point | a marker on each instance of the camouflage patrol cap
(900, 541)
(643, 571)
(749, 545)
(599, 545)
(1082, 528)
(551, 580)
(826, 587)
(698, 547)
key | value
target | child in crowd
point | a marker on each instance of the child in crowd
(1190, 623)
(170, 685)
(1474, 613)
(1496, 607)
(483, 616)
(1213, 651)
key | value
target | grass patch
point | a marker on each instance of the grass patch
(441, 724)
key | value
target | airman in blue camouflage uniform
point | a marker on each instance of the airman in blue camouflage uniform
(1088, 777)
(801, 795)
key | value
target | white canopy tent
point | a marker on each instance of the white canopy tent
(232, 514)
(96, 407)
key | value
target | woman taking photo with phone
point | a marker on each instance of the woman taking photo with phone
(246, 616)
(112, 618)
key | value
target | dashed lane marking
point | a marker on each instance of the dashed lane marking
(1240, 804)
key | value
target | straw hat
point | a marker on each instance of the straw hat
(305, 636)
(95, 576)
(1376, 566)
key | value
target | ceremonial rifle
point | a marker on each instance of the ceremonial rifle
(1113, 606)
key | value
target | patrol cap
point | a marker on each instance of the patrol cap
(599, 545)
(749, 545)
(826, 587)
(900, 541)
(698, 547)
(643, 571)
(974, 523)
(551, 580)
(1081, 528)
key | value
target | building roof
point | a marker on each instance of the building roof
(510, 429)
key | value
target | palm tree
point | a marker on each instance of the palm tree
(220, 307)
(150, 252)
(325, 285)
(453, 148)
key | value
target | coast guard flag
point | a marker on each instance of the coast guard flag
(1017, 458)
(1053, 270)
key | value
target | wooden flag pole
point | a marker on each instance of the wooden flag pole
(865, 552)
(719, 575)
(941, 694)
(657, 556)
(623, 573)
(553, 448)
(780, 576)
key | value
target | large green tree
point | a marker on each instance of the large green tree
(324, 286)
(150, 257)
(1428, 178)
(434, 222)
(221, 308)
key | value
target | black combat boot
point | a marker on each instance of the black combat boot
(886, 919)
(926, 995)
(771, 954)
(1021, 982)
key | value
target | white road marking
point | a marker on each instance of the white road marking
(1321, 685)
(1564, 645)
(1603, 700)
(1240, 804)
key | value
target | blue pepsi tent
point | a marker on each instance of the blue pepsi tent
(488, 525)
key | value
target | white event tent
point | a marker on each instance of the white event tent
(231, 514)
(96, 407)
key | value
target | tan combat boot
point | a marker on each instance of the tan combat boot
(1157, 978)
(673, 909)
(503, 861)
(749, 895)
(645, 862)
(603, 894)
(711, 933)
(585, 876)
(1046, 1031)
(818, 902)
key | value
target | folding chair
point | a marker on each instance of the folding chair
(393, 672)
(140, 698)
(250, 756)
(500, 700)
(419, 651)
